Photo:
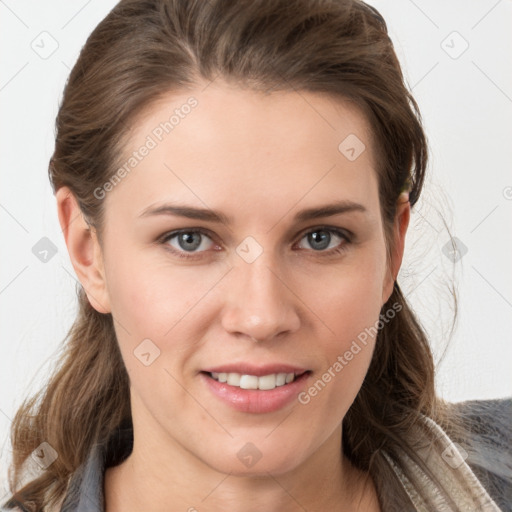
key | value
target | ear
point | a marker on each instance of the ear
(84, 250)
(402, 217)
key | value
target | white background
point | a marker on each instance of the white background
(466, 102)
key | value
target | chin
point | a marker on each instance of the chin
(250, 462)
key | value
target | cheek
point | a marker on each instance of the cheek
(350, 309)
(348, 298)
(143, 300)
(149, 296)
(154, 300)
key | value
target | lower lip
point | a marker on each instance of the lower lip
(254, 400)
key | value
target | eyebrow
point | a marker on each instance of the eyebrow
(206, 214)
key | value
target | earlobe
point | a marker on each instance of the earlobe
(402, 217)
(84, 250)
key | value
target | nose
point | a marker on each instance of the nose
(260, 304)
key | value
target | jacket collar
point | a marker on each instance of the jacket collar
(449, 482)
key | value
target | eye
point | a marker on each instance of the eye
(324, 238)
(188, 243)
(191, 241)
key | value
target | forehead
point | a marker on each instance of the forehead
(240, 147)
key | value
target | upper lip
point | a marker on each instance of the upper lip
(258, 371)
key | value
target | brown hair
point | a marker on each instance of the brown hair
(146, 48)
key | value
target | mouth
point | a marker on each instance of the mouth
(262, 382)
(250, 388)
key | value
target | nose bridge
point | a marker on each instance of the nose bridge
(260, 304)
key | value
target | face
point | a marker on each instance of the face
(245, 243)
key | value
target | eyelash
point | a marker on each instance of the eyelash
(342, 247)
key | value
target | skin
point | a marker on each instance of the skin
(258, 159)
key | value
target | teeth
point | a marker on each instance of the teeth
(249, 382)
(234, 379)
(265, 382)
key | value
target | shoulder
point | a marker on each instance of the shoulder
(487, 415)
(85, 485)
(487, 443)
(488, 426)
(13, 505)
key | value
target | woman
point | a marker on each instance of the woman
(234, 183)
